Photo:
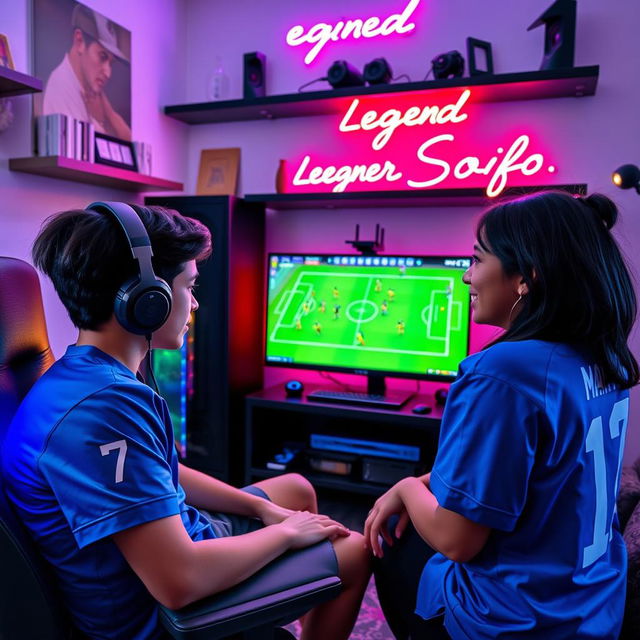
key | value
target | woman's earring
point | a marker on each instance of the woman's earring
(514, 306)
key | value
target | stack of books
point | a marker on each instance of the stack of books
(59, 135)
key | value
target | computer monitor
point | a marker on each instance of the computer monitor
(396, 315)
(173, 371)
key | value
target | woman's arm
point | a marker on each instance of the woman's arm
(453, 535)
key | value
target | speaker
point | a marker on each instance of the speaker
(378, 71)
(342, 74)
(448, 65)
(254, 75)
(559, 22)
(293, 389)
(143, 303)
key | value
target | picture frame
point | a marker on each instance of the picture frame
(479, 50)
(115, 152)
(5, 53)
(218, 172)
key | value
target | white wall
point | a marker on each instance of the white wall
(158, 61)
(589, 137)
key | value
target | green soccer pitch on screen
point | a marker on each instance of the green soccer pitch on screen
(404, 316)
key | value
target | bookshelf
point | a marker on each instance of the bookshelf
(14, 83)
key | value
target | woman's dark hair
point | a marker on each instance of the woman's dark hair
(86, 256)
(580, 290)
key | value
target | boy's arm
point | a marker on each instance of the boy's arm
(205, 492)
(178, 571)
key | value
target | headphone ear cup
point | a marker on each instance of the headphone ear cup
(143, 309)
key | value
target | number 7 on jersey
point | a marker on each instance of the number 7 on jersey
(121, 446)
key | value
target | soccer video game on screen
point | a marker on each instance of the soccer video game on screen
(407, 315)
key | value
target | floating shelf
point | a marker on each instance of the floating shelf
(529, 85)
(90, 173)
(388, 199)
(14, 83)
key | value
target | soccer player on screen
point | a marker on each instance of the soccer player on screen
(360, 338)
(514, 532)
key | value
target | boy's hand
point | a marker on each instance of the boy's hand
(271, 513)
(305, 529)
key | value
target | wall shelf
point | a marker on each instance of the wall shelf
(384, 199)
(14, 83)
(528, 85)
(90, 173)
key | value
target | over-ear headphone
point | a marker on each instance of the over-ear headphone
(143, 303)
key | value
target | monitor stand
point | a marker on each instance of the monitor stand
(376, 396)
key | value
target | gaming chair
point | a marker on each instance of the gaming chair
(30, 606)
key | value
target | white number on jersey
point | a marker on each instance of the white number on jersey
(603, 523)
(121, 446)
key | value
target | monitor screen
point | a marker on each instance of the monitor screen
(173, 371)
(404, 316)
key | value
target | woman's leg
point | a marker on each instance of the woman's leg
(333, 619)
(397, 576)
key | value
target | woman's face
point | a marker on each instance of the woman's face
(493, 293)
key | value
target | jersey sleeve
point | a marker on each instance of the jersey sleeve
(110, 463)
(486, 451)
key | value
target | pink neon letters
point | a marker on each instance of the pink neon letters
(322, 33)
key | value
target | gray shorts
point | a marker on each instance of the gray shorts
(225, 525)
(289, 570)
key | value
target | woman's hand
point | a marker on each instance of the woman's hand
(305, 529)
(387, 505)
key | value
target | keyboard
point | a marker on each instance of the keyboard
(391, 402)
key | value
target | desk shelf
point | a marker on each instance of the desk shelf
(91, 173)
(528, 85)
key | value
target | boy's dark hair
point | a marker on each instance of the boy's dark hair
(580, 290)
(86, 256)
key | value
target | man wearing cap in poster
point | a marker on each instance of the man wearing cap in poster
(76, 86)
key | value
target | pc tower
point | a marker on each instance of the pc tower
(227, 345)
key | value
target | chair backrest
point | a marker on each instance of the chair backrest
(29, 604)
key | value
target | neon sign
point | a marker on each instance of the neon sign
(387, 161)
(322, 33)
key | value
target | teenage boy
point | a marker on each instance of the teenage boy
(91, 467)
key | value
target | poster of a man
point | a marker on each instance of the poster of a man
(85, 60)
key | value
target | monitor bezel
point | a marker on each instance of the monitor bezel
(352, 370)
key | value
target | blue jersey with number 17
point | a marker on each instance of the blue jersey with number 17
(531, 446)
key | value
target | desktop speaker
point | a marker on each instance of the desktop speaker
(559, 22)
(377, 71)
(254, 75)
(293, 388)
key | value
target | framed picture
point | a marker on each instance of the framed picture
(479, 56)
(68, 38)
(218, 174)
(115, 152)
(5, 53)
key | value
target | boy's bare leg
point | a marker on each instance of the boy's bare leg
(333, 619)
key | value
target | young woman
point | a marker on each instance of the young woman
(517, 535)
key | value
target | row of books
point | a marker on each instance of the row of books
(59, 135)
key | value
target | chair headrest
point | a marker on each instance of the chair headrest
(24, 344)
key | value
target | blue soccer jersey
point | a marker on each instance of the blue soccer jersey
(90, 453)
(531, 445)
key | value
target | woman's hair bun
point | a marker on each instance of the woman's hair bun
(604, 207)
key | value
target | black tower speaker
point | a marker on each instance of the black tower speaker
(559, 34)
(254, 75)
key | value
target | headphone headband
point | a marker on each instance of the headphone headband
(143, 303)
